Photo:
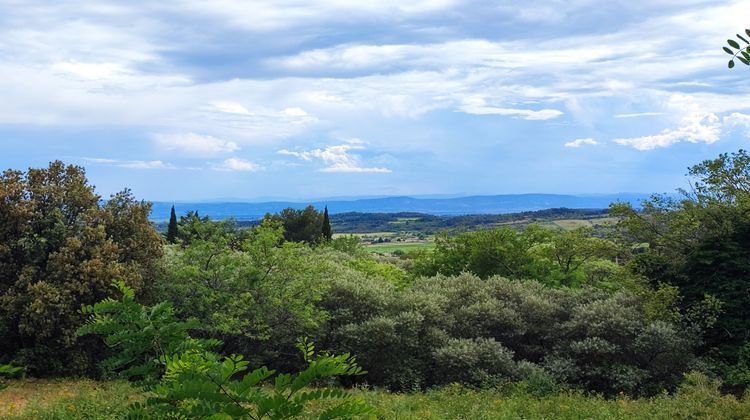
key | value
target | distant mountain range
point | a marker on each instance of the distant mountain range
(481, 204)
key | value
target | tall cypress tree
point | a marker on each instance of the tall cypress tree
(172, 228)
(327, 232)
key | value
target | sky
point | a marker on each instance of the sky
(235, 99)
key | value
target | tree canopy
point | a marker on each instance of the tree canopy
(61, 247)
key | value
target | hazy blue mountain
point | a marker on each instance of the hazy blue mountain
(485, 204)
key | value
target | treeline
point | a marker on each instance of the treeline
(428, 224)
(354, 222)
(663, 294)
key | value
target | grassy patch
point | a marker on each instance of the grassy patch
(389, 248)
(66, 399)
(404, 220)
(698, 398)
(570, 224)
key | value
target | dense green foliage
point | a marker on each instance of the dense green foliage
(60, 247)
(624, 310)
(568, 258)
(186, 380)
(482, 332)
(251, 289)
(701, 244)
(141, 336)
(300, 225)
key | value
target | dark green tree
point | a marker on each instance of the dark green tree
(327, 232)
(172, 231)
(61, 248)
(700, 243)
(300, 225)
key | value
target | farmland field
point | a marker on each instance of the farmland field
(395, 246)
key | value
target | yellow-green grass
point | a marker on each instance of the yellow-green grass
(570, 224)
(83, 399)
(66, 399)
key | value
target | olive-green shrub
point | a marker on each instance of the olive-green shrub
(478, 332)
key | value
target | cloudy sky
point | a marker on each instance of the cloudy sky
(197, 100)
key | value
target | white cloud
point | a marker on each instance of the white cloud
(240, 165)
(121, 64)
(195, 144)
(151, 164)
(476, 105)
(132, 164)
(738, 120)
(244, 123)
(696, 128)
(639, 114)
(581, 142)
(91, 71)
(278, 15)
(231, 108)
(336, 158)
(295, 112)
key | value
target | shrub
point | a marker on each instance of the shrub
(477, 361)
(385, 271)
(478, 331)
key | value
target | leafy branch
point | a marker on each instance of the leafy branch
(743, 53)
(187, 380)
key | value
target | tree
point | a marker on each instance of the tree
(565, 254)
(700, 242)
(249, 287)
(300, 225)
(501, 251)
(61, 248)
(172, 231)
(327, 232)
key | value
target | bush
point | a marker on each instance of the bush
(477, 361)
(476, 332)
(385, 271)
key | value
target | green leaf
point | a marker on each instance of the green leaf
(731, 64)
(733, 43)
(746, 55)
(743, 39)
(747, 31)
(728, 51)
(744, 61)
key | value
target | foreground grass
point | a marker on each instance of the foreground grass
(66, 399)
(698, 399)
